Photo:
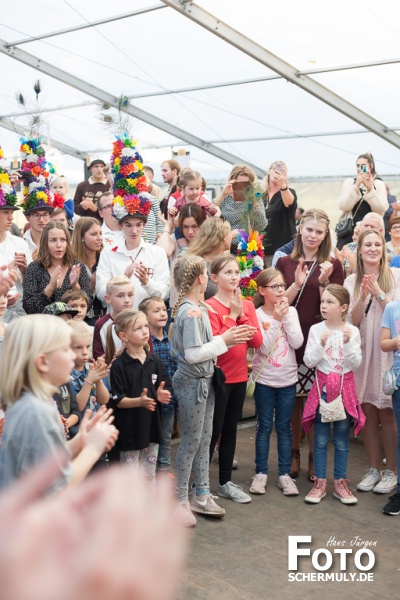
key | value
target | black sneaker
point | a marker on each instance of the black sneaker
(393, 506)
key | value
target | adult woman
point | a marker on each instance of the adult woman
(214, 238)
(54, 271)
(362, 194)
(87, 243)
(280, 209)
(372, 287)
(394, 231)
(189, 221)
(233, 206)
(307, 271)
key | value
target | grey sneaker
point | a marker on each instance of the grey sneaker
(259, 484)
(369, 481)
(287, 485)
(233, 492)
(205, 505)
(387, 484)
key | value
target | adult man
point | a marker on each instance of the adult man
(88, 191)
(170, 170)
(298, 215)
(112, 234)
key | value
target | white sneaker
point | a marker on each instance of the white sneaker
(233, 492)
(369, 481)
(287, 485)
(387, 484)
(259, 484)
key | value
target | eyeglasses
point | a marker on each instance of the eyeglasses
(38, 216)
(395, 227)
(276, 286)
(106, 207)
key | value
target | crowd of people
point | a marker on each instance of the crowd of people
(121, 314)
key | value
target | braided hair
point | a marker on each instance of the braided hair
(186, 270)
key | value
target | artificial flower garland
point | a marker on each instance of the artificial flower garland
(131, 195)
(8, 195)
(250, 256)
(34, 174)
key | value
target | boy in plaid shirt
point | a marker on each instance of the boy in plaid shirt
(156, 313)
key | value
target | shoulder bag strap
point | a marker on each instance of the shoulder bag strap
(305, 281)
(269, 355)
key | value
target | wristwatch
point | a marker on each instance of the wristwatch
(381, 297)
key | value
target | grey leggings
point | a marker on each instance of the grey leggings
(196, 409)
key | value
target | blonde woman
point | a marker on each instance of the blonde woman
(371, 288)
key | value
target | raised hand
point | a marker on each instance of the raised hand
(236, 305)
(324, 337)
(326, 269)
(74, 275)
(163, 395)
(281, 308)
(301, 273)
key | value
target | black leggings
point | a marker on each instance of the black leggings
(227, 413)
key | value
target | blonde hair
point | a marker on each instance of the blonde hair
(266, 180)
(117, 281)
(60, 179)
(210, 236)
(121, 323)
(325, 247)
(82, 226)
(147, 302)
(79, 329)
(187, 269)
(385, 278)
(243, 170)
(25, 339)
(263, 279)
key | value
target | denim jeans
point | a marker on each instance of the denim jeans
(322, 434)
(280, 401)
(396, 410)
(164, 450)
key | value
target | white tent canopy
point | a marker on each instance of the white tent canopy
(313, 83)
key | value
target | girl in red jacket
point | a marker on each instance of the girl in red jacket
(227, 309)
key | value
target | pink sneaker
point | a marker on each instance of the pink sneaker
(342, 492)
(184, 515)
(318, 491)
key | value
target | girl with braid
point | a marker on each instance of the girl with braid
(195, 349)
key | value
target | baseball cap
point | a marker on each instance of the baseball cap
(60, 308)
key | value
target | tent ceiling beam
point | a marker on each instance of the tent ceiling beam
(263, 56)
(54, 143)
(103, 96)
(86, 25)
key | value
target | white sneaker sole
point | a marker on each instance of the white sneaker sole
(385, 491)
(346, 500)
(238, 500)
(257, 492)
(314, 500)
(367, 488)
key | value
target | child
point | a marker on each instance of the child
(390, 342)
(334, 349)
(86, 378)
(139, 385)
(156, 312)
(275, 372)
(36, 358)
(225, 310)
(78, 300)
(119, 295)
(195, 349)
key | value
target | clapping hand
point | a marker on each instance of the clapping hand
(326, 269)
(163, 395)
(74, 275)
(147, 402)
(236, 305)
(281, 308)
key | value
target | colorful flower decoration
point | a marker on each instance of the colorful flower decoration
(131, 197)
(35, 175)
(8, 195)
(250, 255)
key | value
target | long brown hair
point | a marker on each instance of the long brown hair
(325, 247)
(193, 211)
(43, 255)
(82, 226)
(385, 277)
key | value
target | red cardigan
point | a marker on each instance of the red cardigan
(234, 363)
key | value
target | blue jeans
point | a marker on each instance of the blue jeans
(322, 434)
(280, 401)
(396, 410)
(164, 450)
